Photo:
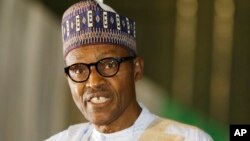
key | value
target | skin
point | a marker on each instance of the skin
(122, 109)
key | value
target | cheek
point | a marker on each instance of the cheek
(124, 87)
(76, 88)
(76, 92)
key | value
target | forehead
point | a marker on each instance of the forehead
(93, 53)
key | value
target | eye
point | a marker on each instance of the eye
(108, 67)
(79, 69)
(110, 64)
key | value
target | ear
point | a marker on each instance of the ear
(138, 68)
(65, 75)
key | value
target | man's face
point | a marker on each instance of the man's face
(102, 100)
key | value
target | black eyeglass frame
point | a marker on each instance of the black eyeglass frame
(119, 60)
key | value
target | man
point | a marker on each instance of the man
(102, 68)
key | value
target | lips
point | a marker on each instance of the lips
(99, 100)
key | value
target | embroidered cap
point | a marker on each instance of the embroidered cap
(93, 22)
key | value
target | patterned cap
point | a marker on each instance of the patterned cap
(92, 22)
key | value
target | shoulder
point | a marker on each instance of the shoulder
(71, 132)
(170, 129)
(189, 132)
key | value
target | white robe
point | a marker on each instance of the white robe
(147, 127)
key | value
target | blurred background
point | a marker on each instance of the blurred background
(197, 64)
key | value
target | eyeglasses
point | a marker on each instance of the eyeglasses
(106, 67)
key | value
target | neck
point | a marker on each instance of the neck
(127, 119)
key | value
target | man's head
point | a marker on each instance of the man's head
(102, 66)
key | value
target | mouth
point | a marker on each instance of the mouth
(98, 99)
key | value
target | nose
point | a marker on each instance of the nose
(95, 78)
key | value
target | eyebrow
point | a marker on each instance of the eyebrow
(105, 54)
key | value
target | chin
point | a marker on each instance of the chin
(100, 119)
